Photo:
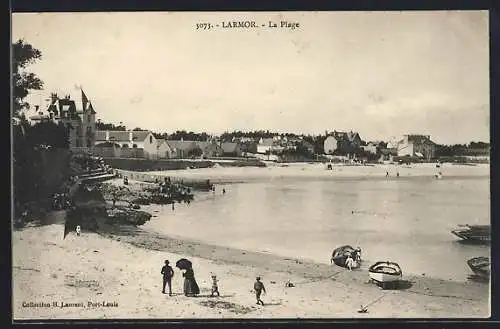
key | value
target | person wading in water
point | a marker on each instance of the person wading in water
(168, 274)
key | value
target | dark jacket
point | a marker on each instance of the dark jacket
(167, 271)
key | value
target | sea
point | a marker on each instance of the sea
(304, 211)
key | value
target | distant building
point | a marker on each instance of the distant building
(345, 142)
(138, 144)
(80, 121)
(163, 149)
(266, 145)
(182, 149)
(231, 149)
(210, 148)
(419, 146)
(370, 148)
(374, 147)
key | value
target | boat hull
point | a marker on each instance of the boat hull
(474, 233)
(481, 266)
(384, 278)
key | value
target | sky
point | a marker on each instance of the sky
(382, 74)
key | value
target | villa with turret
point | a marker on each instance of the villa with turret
(79, 119)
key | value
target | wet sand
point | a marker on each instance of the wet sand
(122, 267)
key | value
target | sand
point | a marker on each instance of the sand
(124, 271)
(311, 171)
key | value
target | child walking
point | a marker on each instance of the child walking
(215, 287)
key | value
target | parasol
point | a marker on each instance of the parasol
(183, 264)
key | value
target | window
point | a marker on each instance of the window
(134, 146)
(150, 139)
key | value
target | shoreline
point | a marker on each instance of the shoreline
(278, 263)
(306, 171)
(119, 267)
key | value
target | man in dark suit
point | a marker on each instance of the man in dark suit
(168, 274)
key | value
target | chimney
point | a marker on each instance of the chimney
(107, 135)
(130, 136)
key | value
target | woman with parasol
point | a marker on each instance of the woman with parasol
(190, 286)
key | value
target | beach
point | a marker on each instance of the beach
(122, 267)
(90, 269)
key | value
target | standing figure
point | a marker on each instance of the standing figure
(78, 230)
(168, 274)
(190, 286)
(357, 255)
(215, 286)
(259, 288)
(349, 263)
(223, 191)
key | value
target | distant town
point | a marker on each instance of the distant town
(87, 132)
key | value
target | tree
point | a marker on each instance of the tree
(23, 55)
(109, 126)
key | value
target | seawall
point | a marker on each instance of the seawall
(138, 164)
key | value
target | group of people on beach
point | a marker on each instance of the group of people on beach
(191, 288)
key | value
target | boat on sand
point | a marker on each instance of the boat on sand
(340, 255)
(481, 266)
(473, 233)
(385, 273)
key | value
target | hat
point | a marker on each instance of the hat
(257, 278)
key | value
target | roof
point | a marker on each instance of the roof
(159, 141)
(122, 136)
(229, 147)
(182, 145)
(350, 136)
(203, 145)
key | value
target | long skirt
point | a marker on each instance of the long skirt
(191, 287)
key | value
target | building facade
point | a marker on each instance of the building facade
(344, 142)
(79, 120)
(137, 144)
(419, 146)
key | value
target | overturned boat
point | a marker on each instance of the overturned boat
(481, 266)
(385, 273)
(473, 233)
(340, 255)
